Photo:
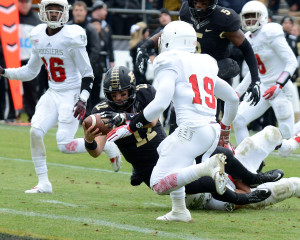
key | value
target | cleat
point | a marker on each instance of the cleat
(116, 163)
(184, 216)
(270, 176)
(218, 173)
(289, 146)
(41, 188)
(258, 195)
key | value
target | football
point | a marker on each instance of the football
(96, 121)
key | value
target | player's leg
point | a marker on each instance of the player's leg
(284, 113)
(238, 171)
(44, 118)
(283, 189)
(245, 115)
(174, 168)
(179, 211)
(67, 124)
(289, 145)
(253, 150)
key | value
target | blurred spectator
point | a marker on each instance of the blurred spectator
(121, 22)
(99, 12)
(28, 20)
(273, 5)
(139, 32)
(79, 13)
(172, 5)
(294, 5)
(164, 19)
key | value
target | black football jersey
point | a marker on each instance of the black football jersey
(139, 149)
(209, 34)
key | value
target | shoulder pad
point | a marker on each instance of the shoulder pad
(166, 60)
(76, 35)
(101, 107)
(272, 30)
(36, 31)
(226, 18)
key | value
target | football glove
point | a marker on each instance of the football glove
(118, 133)
(254, 93)
(272, 92)
(79, 109)
(225, 135)
(116, 119)
(141, 59)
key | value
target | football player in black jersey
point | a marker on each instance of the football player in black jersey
(123, 102)
(216, 27)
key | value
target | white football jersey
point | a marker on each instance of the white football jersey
(193, 99)
(272, 52)
(64, 55)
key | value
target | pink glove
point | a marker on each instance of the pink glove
(119, 132)
(272, 92)
(79, 109)
(225, 135)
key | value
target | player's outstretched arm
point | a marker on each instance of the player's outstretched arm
(239, 40)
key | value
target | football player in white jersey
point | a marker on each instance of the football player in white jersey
(251, 152)
(189, 80)
(62, 48)
(276, 65)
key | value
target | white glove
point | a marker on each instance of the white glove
(119, 132)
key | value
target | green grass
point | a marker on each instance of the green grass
(90, 201)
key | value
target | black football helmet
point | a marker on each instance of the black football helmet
(118, 79)
(202, 13)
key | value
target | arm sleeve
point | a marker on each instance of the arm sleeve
(228, 95)
(283, 50)
(244, 84)
(164, 94)
(27, 72)
(250, 59)
(82, 61)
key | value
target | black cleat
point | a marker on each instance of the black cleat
(258, 195)
(270, 176)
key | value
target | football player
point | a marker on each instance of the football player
(216, 27)
(62, 48)
(277, 64)
(190, 81)
(251, 152)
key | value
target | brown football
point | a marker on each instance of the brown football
(96, 121)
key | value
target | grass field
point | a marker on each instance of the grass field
(90, 201)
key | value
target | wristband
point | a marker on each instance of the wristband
(224, 127)
(283, 78)
(130, 116)
(90, 146)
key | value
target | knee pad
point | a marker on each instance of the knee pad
(286, 130)
(282, 110)
(239, 122)
(282, 190)
(37, 142)
(272, 135)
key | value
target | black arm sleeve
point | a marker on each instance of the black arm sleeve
(250, 59)
(87, 84)
(148, 44)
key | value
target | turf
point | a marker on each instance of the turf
(90, 201)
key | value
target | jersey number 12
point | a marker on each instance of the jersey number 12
(209, 89)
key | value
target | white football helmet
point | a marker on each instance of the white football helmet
(178, 35)
(260, 19)
(63, 16)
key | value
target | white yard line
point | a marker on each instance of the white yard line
(100, 222)
(65, 165)
(62, 203)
